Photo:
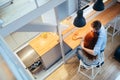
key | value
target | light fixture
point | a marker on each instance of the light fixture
(79, 20)
(99, 5)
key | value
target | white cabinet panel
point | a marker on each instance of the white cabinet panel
(52, 56)
(37, 21)
(49, 17)
(11, 42)
(62, 11)
(41, 2)
(66, 9)
(19, 37)
(72, 6)
(31, 35)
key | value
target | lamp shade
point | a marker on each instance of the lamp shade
(79, 21)
(99, 5)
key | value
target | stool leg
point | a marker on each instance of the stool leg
(100, 69)
(92, 76)
(79, 67)
(112, 38)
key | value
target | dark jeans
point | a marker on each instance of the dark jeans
(80, 57)
(77, 53)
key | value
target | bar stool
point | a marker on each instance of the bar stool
(91, 69)
(114, 27)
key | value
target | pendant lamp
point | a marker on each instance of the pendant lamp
(79, 21)
(99, 5)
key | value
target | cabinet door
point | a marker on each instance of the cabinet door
(49, 58)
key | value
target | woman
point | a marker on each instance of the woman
(89, 42)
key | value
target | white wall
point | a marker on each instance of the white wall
(49, 17)
(18, 39)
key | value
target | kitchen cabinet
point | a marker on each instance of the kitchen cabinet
(51, 56)
(47, 47)
(30, 58)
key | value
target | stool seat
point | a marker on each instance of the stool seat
(92, 69)
(88, 68)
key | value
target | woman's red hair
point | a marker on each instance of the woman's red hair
(89, 42)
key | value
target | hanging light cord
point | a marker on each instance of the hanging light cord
(79, 4)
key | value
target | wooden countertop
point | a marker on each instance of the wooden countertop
(105, 17)
(44, 42)
(74, 43)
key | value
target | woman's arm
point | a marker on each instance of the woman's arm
(89, 51)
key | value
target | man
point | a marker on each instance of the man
(100, 44)
(102, 39)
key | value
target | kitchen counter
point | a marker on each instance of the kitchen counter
(44, 42)
(73, 43)
(47, 47)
